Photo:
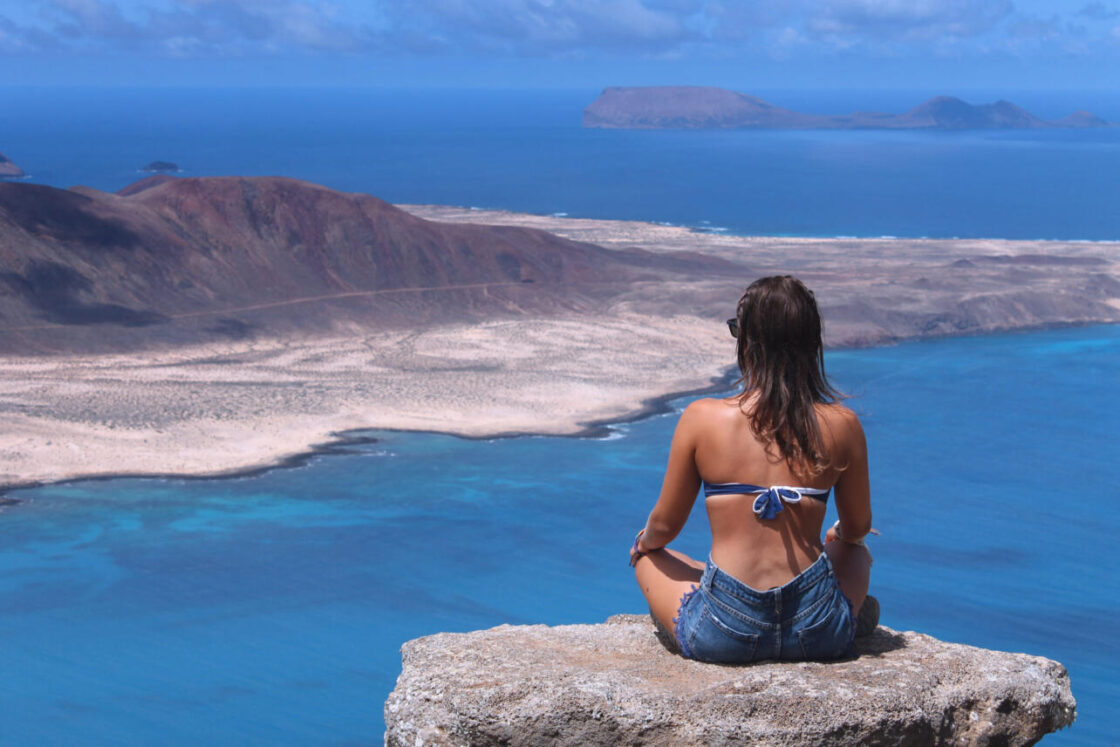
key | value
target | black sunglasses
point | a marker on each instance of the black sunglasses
(733, 325)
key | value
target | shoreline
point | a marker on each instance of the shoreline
(725, 231)
(235, 409)
(304, 436)
(338, 443)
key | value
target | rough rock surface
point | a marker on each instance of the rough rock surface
(616, 683)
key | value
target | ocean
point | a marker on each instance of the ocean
(271, 607)
(525, 151)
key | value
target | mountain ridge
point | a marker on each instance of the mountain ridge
(169, 260)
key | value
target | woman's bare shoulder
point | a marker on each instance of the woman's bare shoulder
(839, 418)
(842, 424)
(711, 407)
(702, 413)
(837, 411)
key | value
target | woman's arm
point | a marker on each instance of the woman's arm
(853, 489)
(681, 484)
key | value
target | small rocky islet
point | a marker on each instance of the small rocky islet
(161, 167)
(9, 170)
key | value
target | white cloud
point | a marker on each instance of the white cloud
(1098, 11)
(545, 26)
(11, 40)
(655, 29)
(199, 27)
(908, 20)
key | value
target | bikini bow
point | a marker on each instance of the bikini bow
(772, 500)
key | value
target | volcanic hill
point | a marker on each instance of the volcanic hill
(168, 261)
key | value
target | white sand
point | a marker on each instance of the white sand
(226, 408)
(234, 406)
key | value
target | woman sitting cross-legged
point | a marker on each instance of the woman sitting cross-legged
(767, 459)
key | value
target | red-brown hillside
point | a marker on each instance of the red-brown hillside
(171, 260)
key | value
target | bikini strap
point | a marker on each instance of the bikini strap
(769, 501)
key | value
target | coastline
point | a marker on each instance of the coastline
(556, 222)
(235, 409)
(339, 443)
(242, 409)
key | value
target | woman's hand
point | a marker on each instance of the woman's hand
(637, 552)
(833, 534)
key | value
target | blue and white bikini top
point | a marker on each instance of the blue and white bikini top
(770, 500)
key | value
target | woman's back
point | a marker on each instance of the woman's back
(766, 553)
(766, 460)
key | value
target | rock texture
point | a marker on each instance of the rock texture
(615, 683)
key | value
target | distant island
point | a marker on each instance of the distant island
(161, 167)
(9, 169)
(701, 107)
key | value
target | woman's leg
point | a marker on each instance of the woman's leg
(665, 576)
(852, 565)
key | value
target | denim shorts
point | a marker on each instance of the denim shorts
(724, 620)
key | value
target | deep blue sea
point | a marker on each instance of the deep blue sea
(526, 151)
(270, 608)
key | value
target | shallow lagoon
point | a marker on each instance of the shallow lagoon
(271, 608)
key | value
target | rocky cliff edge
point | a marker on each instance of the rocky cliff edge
(616, 683)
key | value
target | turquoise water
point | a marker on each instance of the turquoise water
(526, 151)
(271, 608)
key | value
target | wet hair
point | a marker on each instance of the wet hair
(780, 350)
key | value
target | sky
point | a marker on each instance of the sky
(740, 44)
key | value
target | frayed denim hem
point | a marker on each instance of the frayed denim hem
(685, 652)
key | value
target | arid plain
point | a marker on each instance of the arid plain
(237, 404)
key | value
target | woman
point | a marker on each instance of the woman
(769, 589)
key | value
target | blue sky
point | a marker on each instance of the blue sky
(747, 45)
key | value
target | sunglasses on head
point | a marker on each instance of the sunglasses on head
(733, 325)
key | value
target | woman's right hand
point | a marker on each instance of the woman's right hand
(636, 551)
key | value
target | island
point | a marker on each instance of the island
(703, 107)
(9, 170)
(161, 167)
(211, 325)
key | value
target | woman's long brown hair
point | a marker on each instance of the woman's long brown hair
(780, 350)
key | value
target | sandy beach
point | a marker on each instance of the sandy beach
(234, 406)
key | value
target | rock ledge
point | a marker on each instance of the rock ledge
(615, 683)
